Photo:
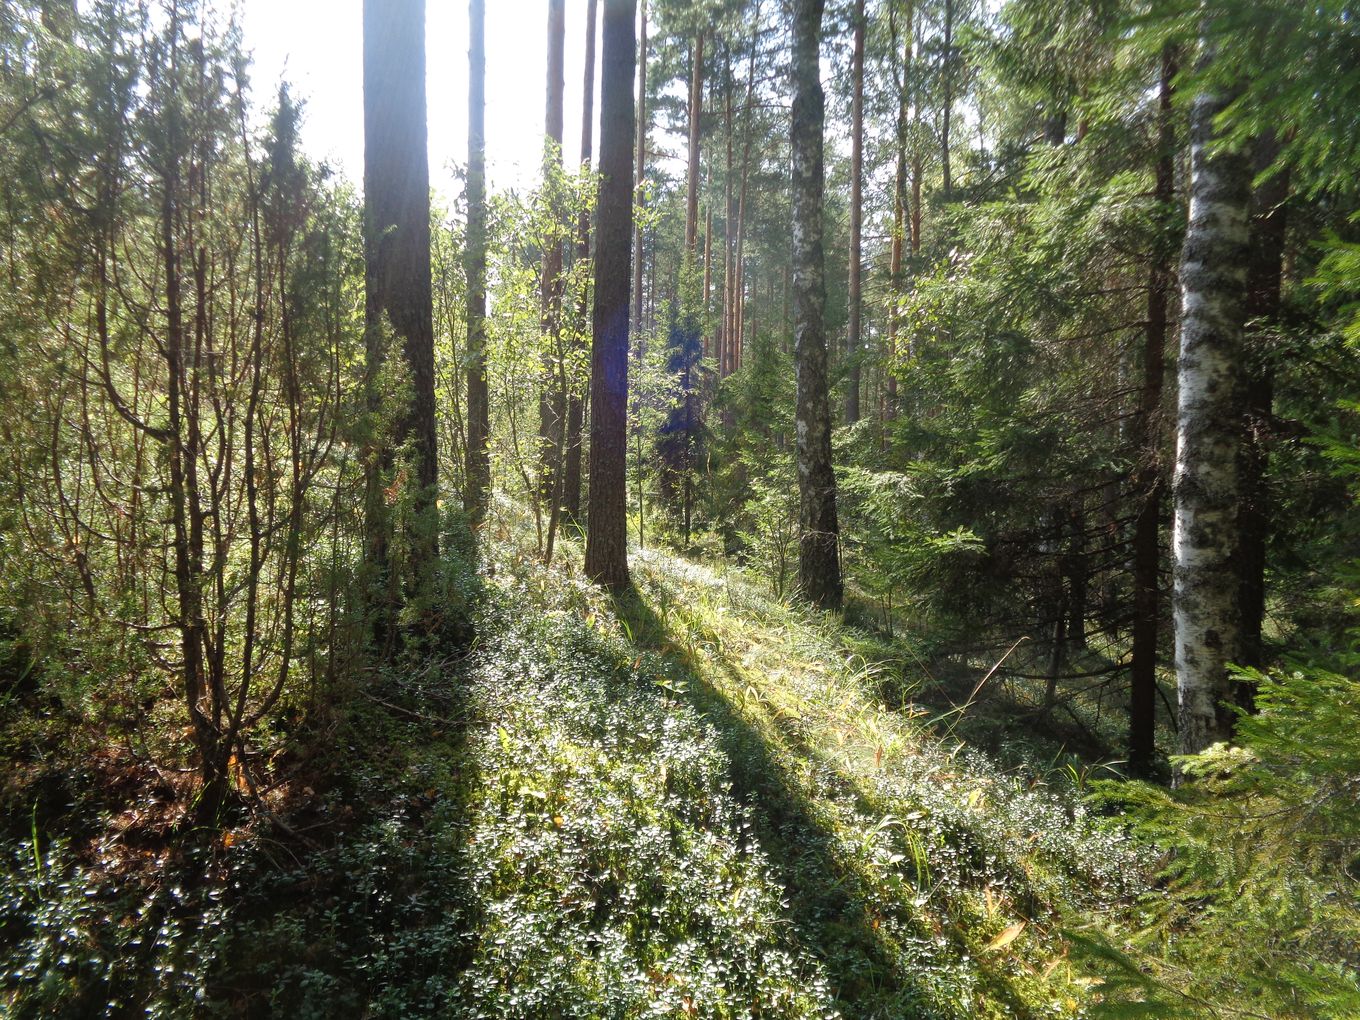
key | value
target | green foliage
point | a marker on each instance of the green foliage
(1295, 65)
(1258, 911)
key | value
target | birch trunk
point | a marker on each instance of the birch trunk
(1210, 435)
(819, 555)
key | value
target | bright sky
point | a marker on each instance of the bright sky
(317, 45)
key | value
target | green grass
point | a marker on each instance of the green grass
(689, 802)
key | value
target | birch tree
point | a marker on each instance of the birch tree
(1210, 433)
(819, 569)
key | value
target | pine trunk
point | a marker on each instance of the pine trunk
(397, 243)
(852, 336)
(606, 536)
(947, 113)
(899, 204)
(696, 107)
(571, 480)
(478, 479)
(639, 170)
(1264, 276)
(1149, 481)
(553, 399)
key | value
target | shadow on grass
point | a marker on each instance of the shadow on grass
(373, 908)
(836, 916)
(995, 718)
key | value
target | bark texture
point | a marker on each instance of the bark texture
(478, 475)
(397, 241)
(696, 109)
(640, 169)
(904, 90)
(947, 111)
(1264, 279)
(552, 406)
(606, 530)
(819, 554)
(571, 480)
(1210, 434)
(852, 337)
(1149, 476)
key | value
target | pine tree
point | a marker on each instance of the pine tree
(478, 478)
(397, 278)
(607, 520)
(571, 479)
(853, 337)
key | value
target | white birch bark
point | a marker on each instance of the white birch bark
(1210, 432)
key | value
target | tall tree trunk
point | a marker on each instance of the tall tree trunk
(552, 405)
(1207, 489)
(479, 402)
(639, 170)
(1264, 278)
(397, 244)
(819, 554)
(1149, 477)
(696, 109)
(708, 259)
(729, 267)
(606, 535)
(571, 480)
(692, 308)
(640, 199)
(852, 335)
(917, 160)
(947, 73)
(899, 198)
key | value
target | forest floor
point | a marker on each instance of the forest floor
(694, 801)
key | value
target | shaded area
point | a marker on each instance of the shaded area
(883, 957)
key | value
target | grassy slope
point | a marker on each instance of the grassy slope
(686, 803)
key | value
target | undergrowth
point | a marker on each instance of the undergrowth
(689, 802)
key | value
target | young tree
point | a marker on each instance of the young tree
(1207, 489)
(606, 532)
(397, 267)
(819, 555)
(478, 400)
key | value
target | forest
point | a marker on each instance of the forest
(871, 532)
